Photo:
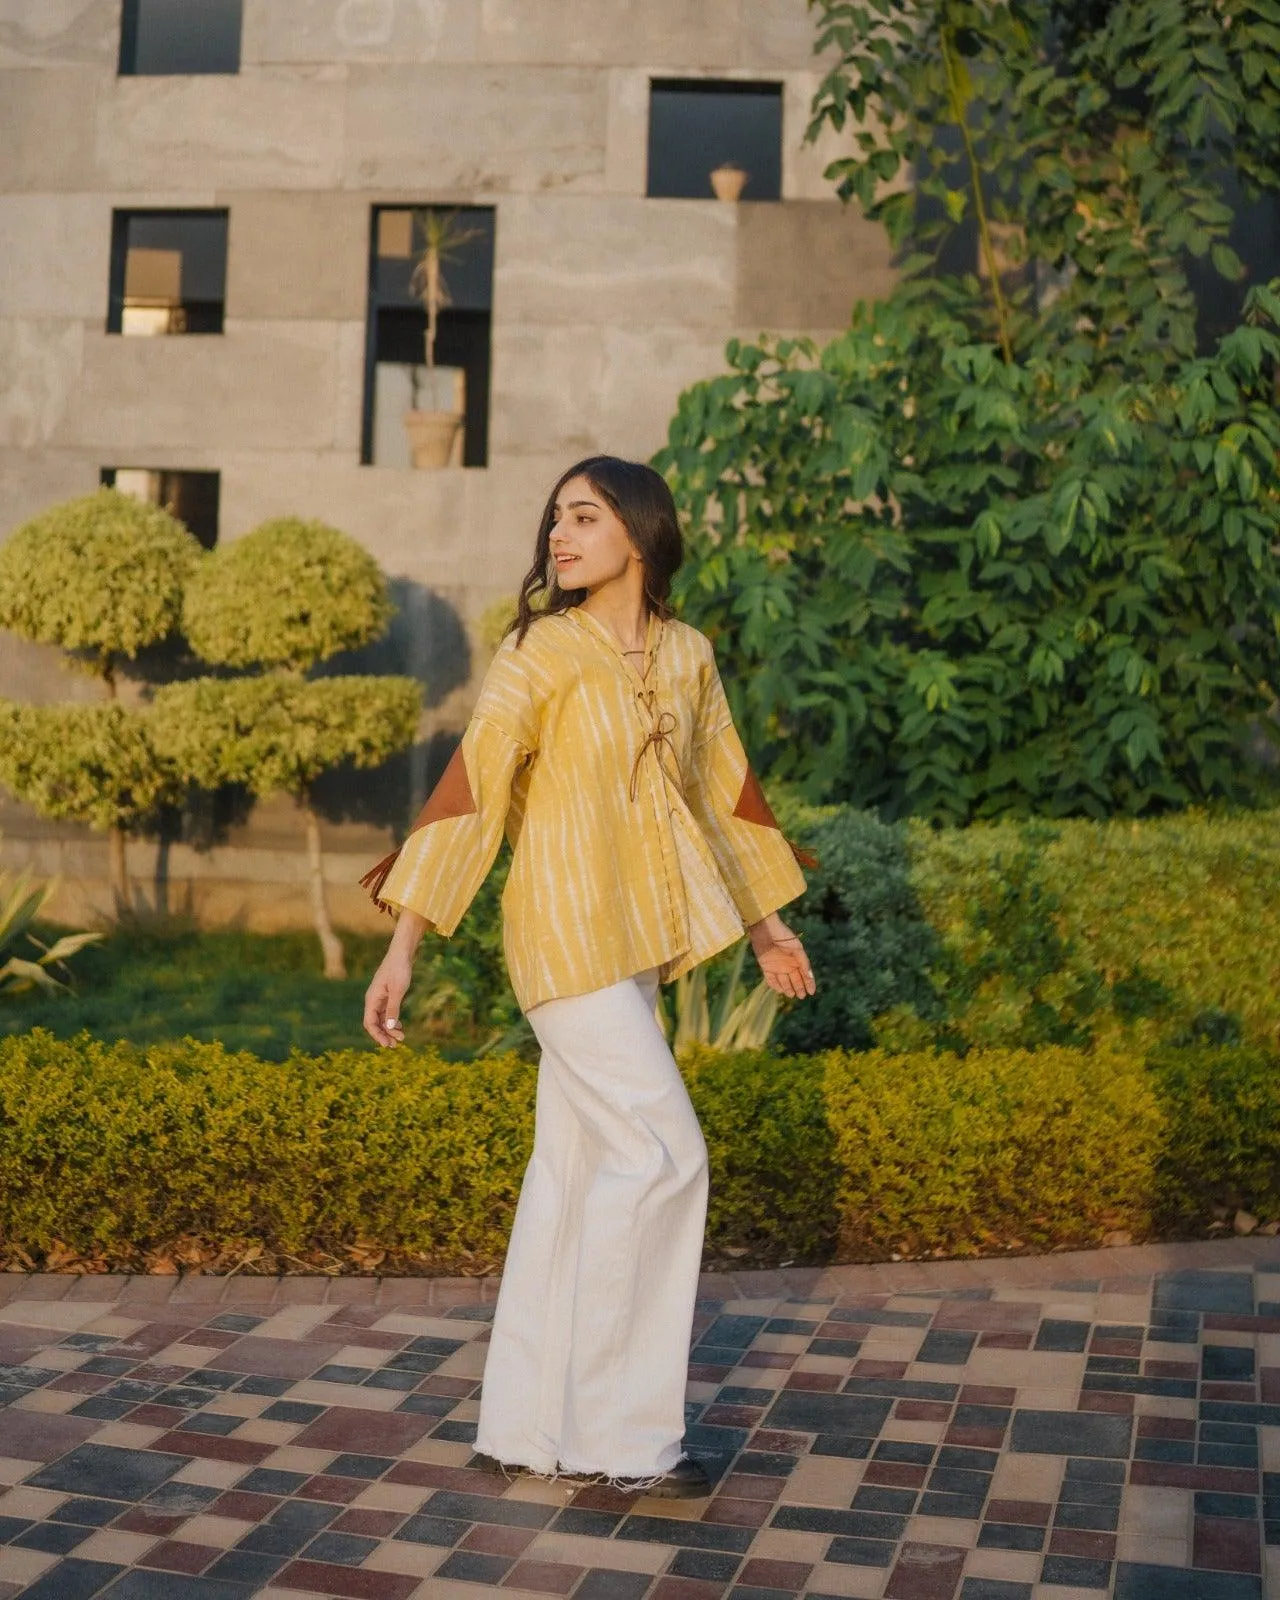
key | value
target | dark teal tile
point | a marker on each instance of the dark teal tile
(1076, 1572)
(108, 1472)
(71, 1580)
(1066, 1433)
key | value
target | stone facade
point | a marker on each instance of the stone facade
(605, 303)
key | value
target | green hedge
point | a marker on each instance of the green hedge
(1024, 934)
(115, 1155)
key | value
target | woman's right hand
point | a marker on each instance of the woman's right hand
(384, 997)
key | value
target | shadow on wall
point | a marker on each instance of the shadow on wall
(426, 641)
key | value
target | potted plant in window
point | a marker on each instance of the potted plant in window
(433, 427)
(728, 180)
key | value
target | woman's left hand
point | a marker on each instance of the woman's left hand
(783, 962)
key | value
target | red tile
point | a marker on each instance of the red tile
(1174, 1475)
(1005, 1341)
(824, 1382)
(246, 1507)
(543, 1577)
(794, 1444)
(275, 1358)
(1226, 1544)
(902, 1474)
(923, 1410)
(458, 1388)
(1225, 1321)
(351, 1583)
(986, 1394)
(699, 1372)
(498, 1539)
(1082, 1542)
(1170, 1369)
(384, 1433)
(778, 1359)
(1228, 1391)
(727, 1511)
(376, 1524)
(865, 1368)
(139, 1521)
(1166, 1428)
(367, 1338)
(213, 1447)
(80, 1383)
(1115, 1347)
(157, 1416)
(1032, 1513)
(214, 1338)
(686, 1589)
(925, 1572)
(429, 1475)
(775, 1574)
(340, 1491)
(749, 1486)
(1269, 1384)
(43, 1435)
(1104, 1400)
(176, 1555)
(731, 1416)
(1014, 1316)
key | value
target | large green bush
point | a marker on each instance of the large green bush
(1008, 545)
(189, 1152)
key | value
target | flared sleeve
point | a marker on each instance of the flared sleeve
(449, 850)
(759, 865)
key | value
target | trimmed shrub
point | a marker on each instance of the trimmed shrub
(864, 930)
(1054, 931)
(1222, 1145)
(188, 1153)
(772, 1153)
(996, 1150)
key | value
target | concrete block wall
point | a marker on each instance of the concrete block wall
(605, 303)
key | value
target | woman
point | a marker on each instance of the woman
(603, 745)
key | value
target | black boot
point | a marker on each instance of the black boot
(687, 1480)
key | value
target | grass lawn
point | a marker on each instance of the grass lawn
(253, 991)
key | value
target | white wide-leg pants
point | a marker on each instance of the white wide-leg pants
(590, 1347)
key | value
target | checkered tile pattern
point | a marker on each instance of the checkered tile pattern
(1105, 1423)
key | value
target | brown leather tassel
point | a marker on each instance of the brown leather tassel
(376, 876)
(806, 858)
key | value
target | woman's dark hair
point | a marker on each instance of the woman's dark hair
(640, 498)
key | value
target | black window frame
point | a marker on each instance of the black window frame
(121, 217)
(131, 39)
(764, 187)
(465, 332)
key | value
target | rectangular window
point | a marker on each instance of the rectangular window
(179, 36)
(192, 497)
(704, 135)
(445, 392)
(168, 272)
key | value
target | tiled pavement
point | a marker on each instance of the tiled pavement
(1071, 1425)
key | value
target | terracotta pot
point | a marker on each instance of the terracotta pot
(431, 436)
(728, 181)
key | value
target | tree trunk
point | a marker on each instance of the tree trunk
(335, 965)
(119, 870)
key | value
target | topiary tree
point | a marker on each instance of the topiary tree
(100, 577)
(281, 600)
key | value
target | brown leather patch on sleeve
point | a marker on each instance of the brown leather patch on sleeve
(451, 797)
(752, 805)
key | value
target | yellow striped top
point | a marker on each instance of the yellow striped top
(640, 835)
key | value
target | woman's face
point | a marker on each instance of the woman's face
(589, 541)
